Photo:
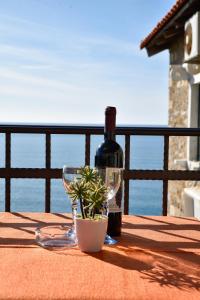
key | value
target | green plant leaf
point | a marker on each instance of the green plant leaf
(90, 190)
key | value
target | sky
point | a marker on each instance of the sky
(64, 61)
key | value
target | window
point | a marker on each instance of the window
(193, 153)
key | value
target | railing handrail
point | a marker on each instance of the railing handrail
(94, 129)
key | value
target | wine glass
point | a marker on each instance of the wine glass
(112, 178)
(60, 235)
(69, 174)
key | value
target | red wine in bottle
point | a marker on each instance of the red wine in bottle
(110, 154)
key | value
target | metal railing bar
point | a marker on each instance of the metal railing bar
(128, 174)
(126, 181)
(87, 149)
(166, 153)
(7, 197)
(8, 150)
(165, 197)
(48, 180)
(7, 165)
(31, 173)
(96, 130)
(48, 195)
(52, 129)
(165, 182)
(48, 151)
(161, 175)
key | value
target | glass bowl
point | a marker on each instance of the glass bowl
(54, 237)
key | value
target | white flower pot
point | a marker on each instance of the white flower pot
(91, 234)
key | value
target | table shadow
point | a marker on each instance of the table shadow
(26, 228)
(165, 276)
(123, 261)
(165, 269)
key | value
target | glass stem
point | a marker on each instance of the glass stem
(74, 213)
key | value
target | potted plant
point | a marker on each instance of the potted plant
(90, 225)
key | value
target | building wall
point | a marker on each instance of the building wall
(179, 103)
(178, 117)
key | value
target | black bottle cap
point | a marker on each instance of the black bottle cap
(110, 110)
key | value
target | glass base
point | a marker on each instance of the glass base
(59, 236)
(109, 240)
(71, 233)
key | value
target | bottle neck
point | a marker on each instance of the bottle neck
(110, 123)
(109, 135)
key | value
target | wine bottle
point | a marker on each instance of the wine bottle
(110, 154)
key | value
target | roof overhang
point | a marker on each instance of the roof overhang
(171, 27)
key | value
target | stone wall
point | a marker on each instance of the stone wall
(179, 86)
(178, 117)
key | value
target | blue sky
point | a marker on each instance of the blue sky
(64, 61)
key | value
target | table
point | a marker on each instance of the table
(156, 258)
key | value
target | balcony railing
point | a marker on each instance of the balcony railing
(49, 173)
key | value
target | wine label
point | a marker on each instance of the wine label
(113, 207)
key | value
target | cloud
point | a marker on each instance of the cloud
(29, 54)
(38, 62)
(49, 74)
(17, 78)
(111, 45)
(64, 40)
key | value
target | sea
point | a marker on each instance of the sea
(28, 151)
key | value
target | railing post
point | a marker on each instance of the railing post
(165, 182)
(8, 165)
(48, 180)
(126, 181)
(87, 149)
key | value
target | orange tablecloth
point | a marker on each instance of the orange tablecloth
(156, 258)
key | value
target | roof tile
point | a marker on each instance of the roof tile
(173, 11)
